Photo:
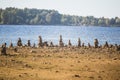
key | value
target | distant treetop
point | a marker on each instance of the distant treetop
(15, 16)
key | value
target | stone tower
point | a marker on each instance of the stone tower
(61, 44)
(51, 44)
(69, 43)
(79, 42)
(28, 43)
(19, 43)
(40, 44)
(96, 43)
(3, 49)
(11, 45)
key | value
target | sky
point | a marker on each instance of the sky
(97, 8)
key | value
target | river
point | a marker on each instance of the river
(11, 33)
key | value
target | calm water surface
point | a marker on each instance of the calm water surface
(10, 33)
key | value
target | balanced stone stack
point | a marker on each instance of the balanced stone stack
(61, 44)
(3, 49)
(45, 44)
(79, 42)
(89, 46)
(34, 45)
(19, 43)
(106, 44)
(51, 44)
(96, 43)
(83, 44)
(40, 44)
(118, 48)
(29, 44)
(11, 45)
(69, 43)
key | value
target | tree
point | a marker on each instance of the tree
(4, 17)
(34, 16)
(117, 21)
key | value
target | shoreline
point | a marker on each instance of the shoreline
(60, 63)
(42, 44)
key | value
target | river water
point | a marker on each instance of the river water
(11, 33)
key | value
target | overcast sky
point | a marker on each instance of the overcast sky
(97, 8)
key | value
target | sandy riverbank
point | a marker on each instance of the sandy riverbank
(56, 63)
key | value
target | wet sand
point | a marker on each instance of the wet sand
(54, 63)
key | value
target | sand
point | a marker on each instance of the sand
(60, 64)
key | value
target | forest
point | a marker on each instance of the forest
(26, 16)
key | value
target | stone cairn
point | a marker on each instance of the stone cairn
(3, 49)
(96, 43)
(83, 44)
(89, 46)
(45, 44)
(40, 44)
(28, 43)
(79, 42)
(19, 43)
(106, 44)
(61, 44)
(51, 44)
(11, 45)
(34, 45)
(69, 43)
(117, 47)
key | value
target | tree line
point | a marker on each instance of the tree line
(16, 16)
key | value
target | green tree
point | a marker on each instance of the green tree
(34, 16)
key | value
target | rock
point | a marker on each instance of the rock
(89, 45)
(28, 43)
(40, 44)
(51, 44)
(79, 42)
(99, 77)
(20, 75)
(118, 48)
(19, 43)
(15, 49)
(61, 44)
(32, 51)
(3, 49)
(83, 44)
(11, 45)
(34, 45)
(56, 71)
(106, 44)
(69, 43)
(78, 61)
(76, 75)
(91, 77)
(96, 43)
(45, 44)
(115, 59)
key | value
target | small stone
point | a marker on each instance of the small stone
(99, 77)
(3, 49)
(115, 59)
(78, 61)
(76, 75)
(32, 51)
(56, 71)
(20, 75)
(91, 77)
